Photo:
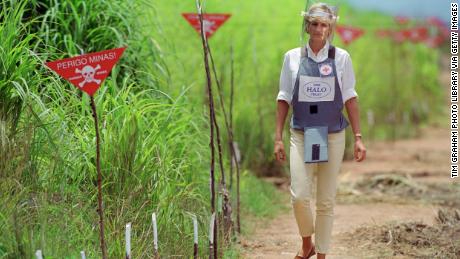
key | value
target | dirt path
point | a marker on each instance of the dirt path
(425, 159)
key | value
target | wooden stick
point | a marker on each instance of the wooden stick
(99, 181)
(226, 204)
(219, 91)
(230, 115)
(211, 116)
(232, 144)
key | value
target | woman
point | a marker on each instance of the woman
(317, 81)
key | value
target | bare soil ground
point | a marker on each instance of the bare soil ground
(399, 203)
(399, 189)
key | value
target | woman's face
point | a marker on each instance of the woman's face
(318, 30)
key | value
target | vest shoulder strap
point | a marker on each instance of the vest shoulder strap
(303, 51)
(331, 53)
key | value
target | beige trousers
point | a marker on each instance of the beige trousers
(326, 188)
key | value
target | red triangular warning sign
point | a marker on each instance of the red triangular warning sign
(401, 20)
(418, 34)
(434, 42)
(442, 27)
(88, 71)
(382, 33)
(415, 35)
(211, 22)
(349, 34)
(400, 36)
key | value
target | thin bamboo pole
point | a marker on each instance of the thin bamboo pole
(211, 124)
(99, 182)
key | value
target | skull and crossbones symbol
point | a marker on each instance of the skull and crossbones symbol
(207, 26)
(88, 73)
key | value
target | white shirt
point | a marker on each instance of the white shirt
(345, 73)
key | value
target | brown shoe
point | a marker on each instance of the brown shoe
(312, 253)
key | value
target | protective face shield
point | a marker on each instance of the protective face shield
(315, 11)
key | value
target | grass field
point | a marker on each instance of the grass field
(153, 116)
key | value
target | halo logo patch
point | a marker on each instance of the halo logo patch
(316, 89)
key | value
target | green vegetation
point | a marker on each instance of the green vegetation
(398, 83)
(153, 117)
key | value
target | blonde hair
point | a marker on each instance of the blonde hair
(320, 12)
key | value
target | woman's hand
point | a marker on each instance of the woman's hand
(360, 150)
(280, 154)
(281, 113)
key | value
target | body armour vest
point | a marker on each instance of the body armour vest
(317, 98)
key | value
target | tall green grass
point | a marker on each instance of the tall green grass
(14, 51)
(152, 154)
(153, 117)
(262, 32)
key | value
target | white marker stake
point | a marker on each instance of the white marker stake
(195, 237)
(370, 118)
(83, 256)
(211, 236)
(155, 231)
(406, 117)
(237, 154)
(211, 228)
(39, 254)
(128, 240)
(195, 230)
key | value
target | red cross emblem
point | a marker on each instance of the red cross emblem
(325, 69)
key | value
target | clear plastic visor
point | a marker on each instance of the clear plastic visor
(318, 16)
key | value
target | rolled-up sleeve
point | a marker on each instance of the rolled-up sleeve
(348, 80)
(285, 91)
